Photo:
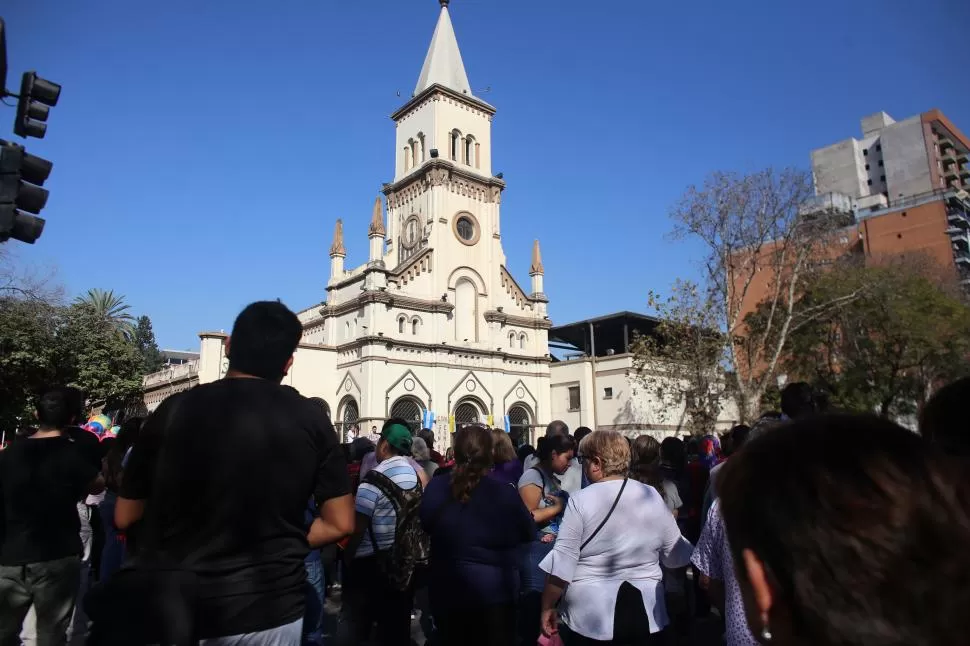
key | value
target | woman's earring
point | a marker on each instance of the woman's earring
(766, 632)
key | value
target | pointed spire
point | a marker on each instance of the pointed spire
(377, 220)
(337, 248)
(536, 267)
(443, 64)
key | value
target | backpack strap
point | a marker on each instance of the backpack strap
(541, 475)
(608, 514)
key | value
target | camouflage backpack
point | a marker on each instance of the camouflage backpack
(412, 547)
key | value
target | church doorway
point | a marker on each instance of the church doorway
(410, 410)
(520, 423)
(466, 412)
(349, 414)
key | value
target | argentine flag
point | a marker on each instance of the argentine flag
(427, 419)
(507, 423)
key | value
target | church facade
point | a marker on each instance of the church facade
(433, 327)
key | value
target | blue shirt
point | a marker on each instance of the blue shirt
(371, 502)
(475, 546)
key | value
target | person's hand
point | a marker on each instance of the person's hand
(549, 623)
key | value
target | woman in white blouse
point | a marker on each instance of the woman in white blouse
(604, 571)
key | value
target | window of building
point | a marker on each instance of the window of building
(867, 166)
(878, 148)
(869, 182)
(469, 150)
(455, 141)
(466, 229)
(607, 393)
(880, 163)
(511, 339)
(882, 178)
(415, 326)
(522, 341)
(574, 398)
(400, 325)
(865, 151)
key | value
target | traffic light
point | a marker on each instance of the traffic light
(21, 177)
(37, 97)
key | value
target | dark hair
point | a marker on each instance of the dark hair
(427, 435)
(473, 459)
(554, 444)
(645, 462)
(739, 435)
(557, 427)
(525, 451)
(321, 403)
(674, 453)
(580, 433)
(798, 400)
(127, 436)
(943, 421)
(263, 339)
(54, 408)
(866, 544)
(76, 404)
(360, 447)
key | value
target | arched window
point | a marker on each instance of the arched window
(522, 340)
(400, 324)
(409, 410)
(420, 157)
(511, 339)
(466, 311)
(467, 412)
(415, 325)
(455, 145)
(349, 414)
(414, 152)
(347, 331)
(469, 150)
(519, 422)
(407, 157)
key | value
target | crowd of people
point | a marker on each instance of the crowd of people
(229, 515)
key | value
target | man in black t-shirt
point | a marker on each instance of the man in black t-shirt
(42, 478)
(221, 475)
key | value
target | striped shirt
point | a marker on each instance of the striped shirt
(371, 502)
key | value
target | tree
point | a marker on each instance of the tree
(884, 350)
(29, 356)
(105, 365)
(760, 245)
(111, 309)
(144, 340)
(680, 360)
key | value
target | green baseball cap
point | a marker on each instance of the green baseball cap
(398, 436)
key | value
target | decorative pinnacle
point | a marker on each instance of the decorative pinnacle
(536, 267)
(377, 221)
(444, 3)
(337, 248)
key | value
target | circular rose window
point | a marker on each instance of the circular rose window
(466, 228)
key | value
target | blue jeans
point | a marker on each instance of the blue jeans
(113, 554)
(315, 593)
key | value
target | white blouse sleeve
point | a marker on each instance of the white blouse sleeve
(561, 561)
(676, 549)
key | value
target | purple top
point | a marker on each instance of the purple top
(507, 472)
(476, 546)
(712, 557)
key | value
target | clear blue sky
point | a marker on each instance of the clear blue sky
(204, 148)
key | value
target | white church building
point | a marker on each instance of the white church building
(433, 327)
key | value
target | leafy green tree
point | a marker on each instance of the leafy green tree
(110, 308)
(29, 356)
(106, 365)
(884, 350)
(144, 340)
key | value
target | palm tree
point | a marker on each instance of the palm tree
(111, 309)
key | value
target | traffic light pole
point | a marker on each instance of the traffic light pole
(21, 174)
